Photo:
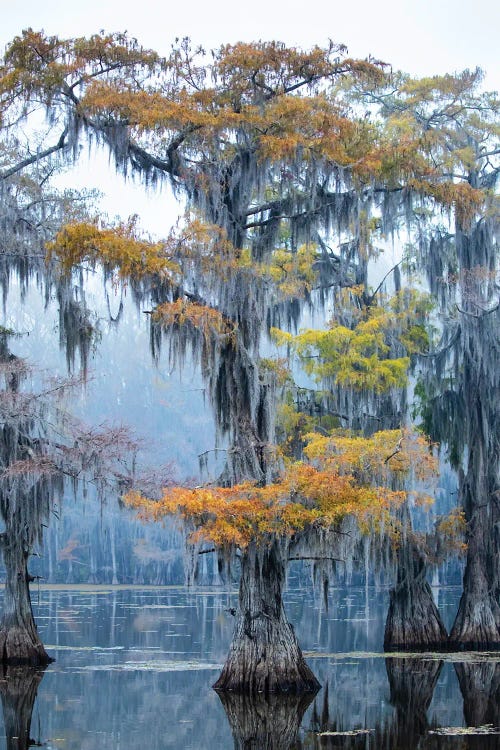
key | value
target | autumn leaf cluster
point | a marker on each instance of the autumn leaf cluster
(344, 476)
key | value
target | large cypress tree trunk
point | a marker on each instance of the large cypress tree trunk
(18, 689)
(264, 655)
(19, 639)
(477, 624)
(413, 620)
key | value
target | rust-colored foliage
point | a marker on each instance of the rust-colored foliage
(207, 320)
(346, 475)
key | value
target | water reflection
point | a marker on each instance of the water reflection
(134, 669)
(480, 688)
(411, 683)
(265, 723)
(18, 689)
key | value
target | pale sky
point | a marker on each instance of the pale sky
(420, 37)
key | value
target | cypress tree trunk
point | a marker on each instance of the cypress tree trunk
(19, 639)
(413, 620)
(477, 624)
(264, 655)
(18, 689)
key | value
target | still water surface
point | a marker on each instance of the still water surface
(134, 667)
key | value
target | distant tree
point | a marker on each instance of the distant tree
(42, 450)
(457, 125)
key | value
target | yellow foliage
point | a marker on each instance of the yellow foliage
(209, 321)
(451, 529)
(291, 272)
(346, 475)
(119, 248)
(385, 455)
(360, 357)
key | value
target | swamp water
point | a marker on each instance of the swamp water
(134, 668)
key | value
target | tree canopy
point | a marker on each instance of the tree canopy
(297, 169)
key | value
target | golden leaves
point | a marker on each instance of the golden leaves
(462, 197)
(119, 248)
(209, 321)
(342, 478)
(362, 356)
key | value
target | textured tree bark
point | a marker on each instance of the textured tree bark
(260, 722)
(18, 689)
(477, 624)
(413, 620)
(264, 655)
(19, 639)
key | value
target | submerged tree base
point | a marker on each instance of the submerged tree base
(253, 669)
(413, 620)
(477, 625)
(19, 648)
(264, 656)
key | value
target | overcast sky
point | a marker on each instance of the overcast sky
(419, 36)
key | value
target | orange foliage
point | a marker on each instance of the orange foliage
(342, 479)
(207, 320)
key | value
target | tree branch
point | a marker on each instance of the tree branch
(61, 143)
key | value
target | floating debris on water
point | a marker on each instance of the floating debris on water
(458, 731)
(346, 733)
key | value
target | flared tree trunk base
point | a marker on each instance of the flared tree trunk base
(477, 625)
(19, 647)
(20, 643)
(413, 620)
(269, 664)
(264, 656)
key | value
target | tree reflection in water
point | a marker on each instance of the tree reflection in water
(411, 683)
(134, 670)
(480, 687)
(18, 689)
(260, 722)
